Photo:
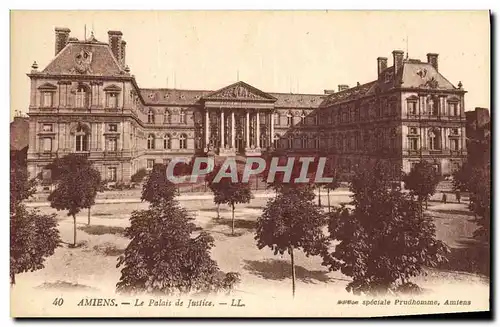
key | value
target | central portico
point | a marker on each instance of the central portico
(238, 120)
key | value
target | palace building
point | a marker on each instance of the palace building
(87, 101)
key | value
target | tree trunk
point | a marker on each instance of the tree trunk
(328, 194)
(12, 279)
(74, 230)
(293, 271)
(218, 211)
(88, 220)
(319, 196)
(232, 220)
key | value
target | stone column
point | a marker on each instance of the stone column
(247, 132)
(257, 136)
(207, 130)
(271, 137)
(222, 125)
(233, 145)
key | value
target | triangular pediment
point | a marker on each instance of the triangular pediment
(240, 91)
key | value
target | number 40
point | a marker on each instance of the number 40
(58, 301)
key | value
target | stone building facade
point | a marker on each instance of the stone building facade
(87, 101)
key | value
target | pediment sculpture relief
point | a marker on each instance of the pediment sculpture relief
(237, 92)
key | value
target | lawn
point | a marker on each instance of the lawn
(92, 265)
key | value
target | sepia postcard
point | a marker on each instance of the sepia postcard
(249, 163)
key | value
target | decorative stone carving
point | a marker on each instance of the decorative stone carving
(83, 61)
(431, 84)
(237, 91)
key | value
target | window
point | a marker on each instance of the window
(81, 97)
(302, 118)
(454, 131)
(315, 119)
(151, 116)
(290, 141)
(150, 163)
(433, 106)
(303, 142)
(454, 144)
(277, 141)
(47, 99)
(413, 143)
(434, 143)
(166, 117)
(289, 119)
(47, 128)
(151, 141)
(111, 100)
(113, 127)
(183, 141)
(81, 140)
(167, 141)
(276, 119)
(112, 174)
(182, 117)
(112, 144)
(316, 142)
(453, 106)
(47, 144)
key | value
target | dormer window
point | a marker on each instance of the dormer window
(112, 100)
(182, 117)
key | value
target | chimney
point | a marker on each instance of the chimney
(381, 65)
(124, 45)
(115, 43)
(328, 92)
(432, 58)
(62, 38)
(397, 56)
(343, 87)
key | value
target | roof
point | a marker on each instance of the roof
(414, 74)
(84, 57)
(193, 97)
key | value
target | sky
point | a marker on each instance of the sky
(275, 51)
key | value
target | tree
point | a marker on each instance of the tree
(479, 186)
(163, 256)
(422, 181)
(72, 163)
(333, 185)
(216, 191)
(139, 176)
(384, 240)
(231, 193)
(76, 189)
(158, 187)
(33, 236)
(291, 222)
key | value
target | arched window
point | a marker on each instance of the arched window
(151, 116)
(81, 139)
(81, 97)
(277, 141)
(290, 141)
(182, 117)
(433, 105)
(303, 142)
(166, 117)
(167, 141)
(151, 141)
(289, 119)
(434, 139)
(183, 141)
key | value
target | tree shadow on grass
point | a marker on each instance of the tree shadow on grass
(101, 230)
(452, 212)
(238, 223)
(276, 269)
(66, 286)
(470, 256)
